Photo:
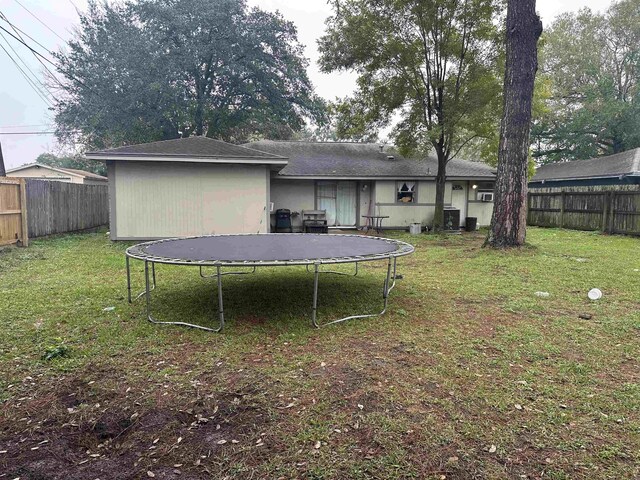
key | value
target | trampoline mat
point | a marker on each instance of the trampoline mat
(268, 248)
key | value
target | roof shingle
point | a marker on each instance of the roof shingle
(343, 159)
(624, 163)
(191, 147)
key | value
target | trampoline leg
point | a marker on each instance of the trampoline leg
(147, 293)
(220, 305)
(314, 310)
(386, 289)
(126, 258)
(153, 276)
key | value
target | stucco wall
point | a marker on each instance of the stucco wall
(162, 199)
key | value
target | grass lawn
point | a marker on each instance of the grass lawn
(469, 375)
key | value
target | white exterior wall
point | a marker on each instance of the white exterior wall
(481, 210)
(296, 195)
(403, 214)
(169, 199)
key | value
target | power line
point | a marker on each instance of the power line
(23, 126)
(45, 25)
(34, 51)
(4, 17)
(27, 133)
(17, 30)
(26, 77)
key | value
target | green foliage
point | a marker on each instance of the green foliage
(432, 66)
(149, 70)
(435, 64)
(342, 123)
(77, 162)
(590, 66)
(57, 350)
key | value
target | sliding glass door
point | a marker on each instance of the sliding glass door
(339, 199)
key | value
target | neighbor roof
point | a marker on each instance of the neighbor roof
(361, 160)
(624, 163)
(185, 149)
(69, 171)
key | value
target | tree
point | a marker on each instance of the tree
(591, 63)
(509, 220)
(430, 64)
(77, 162)
(341, 123)
(149, 70)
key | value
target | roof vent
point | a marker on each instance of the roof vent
(390, 157)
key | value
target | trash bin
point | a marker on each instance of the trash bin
(415, 228)
(471, 224)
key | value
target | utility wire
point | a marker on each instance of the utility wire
(27, 133)
(17, 31)
(4, 17)
(24, 74)
(45, 25)
(23, 43)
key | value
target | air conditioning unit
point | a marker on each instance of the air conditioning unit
(486, 196)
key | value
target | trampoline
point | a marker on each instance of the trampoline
(249, 251)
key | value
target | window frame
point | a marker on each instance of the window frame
(414, 201)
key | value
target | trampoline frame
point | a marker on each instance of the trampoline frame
(137, 252)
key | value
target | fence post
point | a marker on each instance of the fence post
(562, 208)
(24, 227)
(605, 210)
(612, 211)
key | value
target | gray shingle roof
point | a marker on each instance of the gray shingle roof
(191, 147)
(84, 173)
(73, 171)
(624, 163)
(342, 159)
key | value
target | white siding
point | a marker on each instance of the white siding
(161, 199)
(401, 215)
(295, 195)
(482, 211)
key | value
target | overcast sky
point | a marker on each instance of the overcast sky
(51, 21)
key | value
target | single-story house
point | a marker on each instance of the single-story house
(39, 171)
(197, 185)
(618, 169)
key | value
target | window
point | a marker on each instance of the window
(483, 189)
(406, 192)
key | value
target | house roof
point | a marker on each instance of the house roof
(185, 149)
(64, 170)
(361, 160)
(624, 163)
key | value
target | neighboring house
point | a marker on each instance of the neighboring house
(613, 170)
(197, 185)
(39, 171)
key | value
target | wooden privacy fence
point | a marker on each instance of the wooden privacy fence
(58, 207)
(608, 211)
(13, 212)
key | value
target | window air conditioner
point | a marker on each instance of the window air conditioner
(486, 196)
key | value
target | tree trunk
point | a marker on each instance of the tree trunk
(441, 180)
(509, 220)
